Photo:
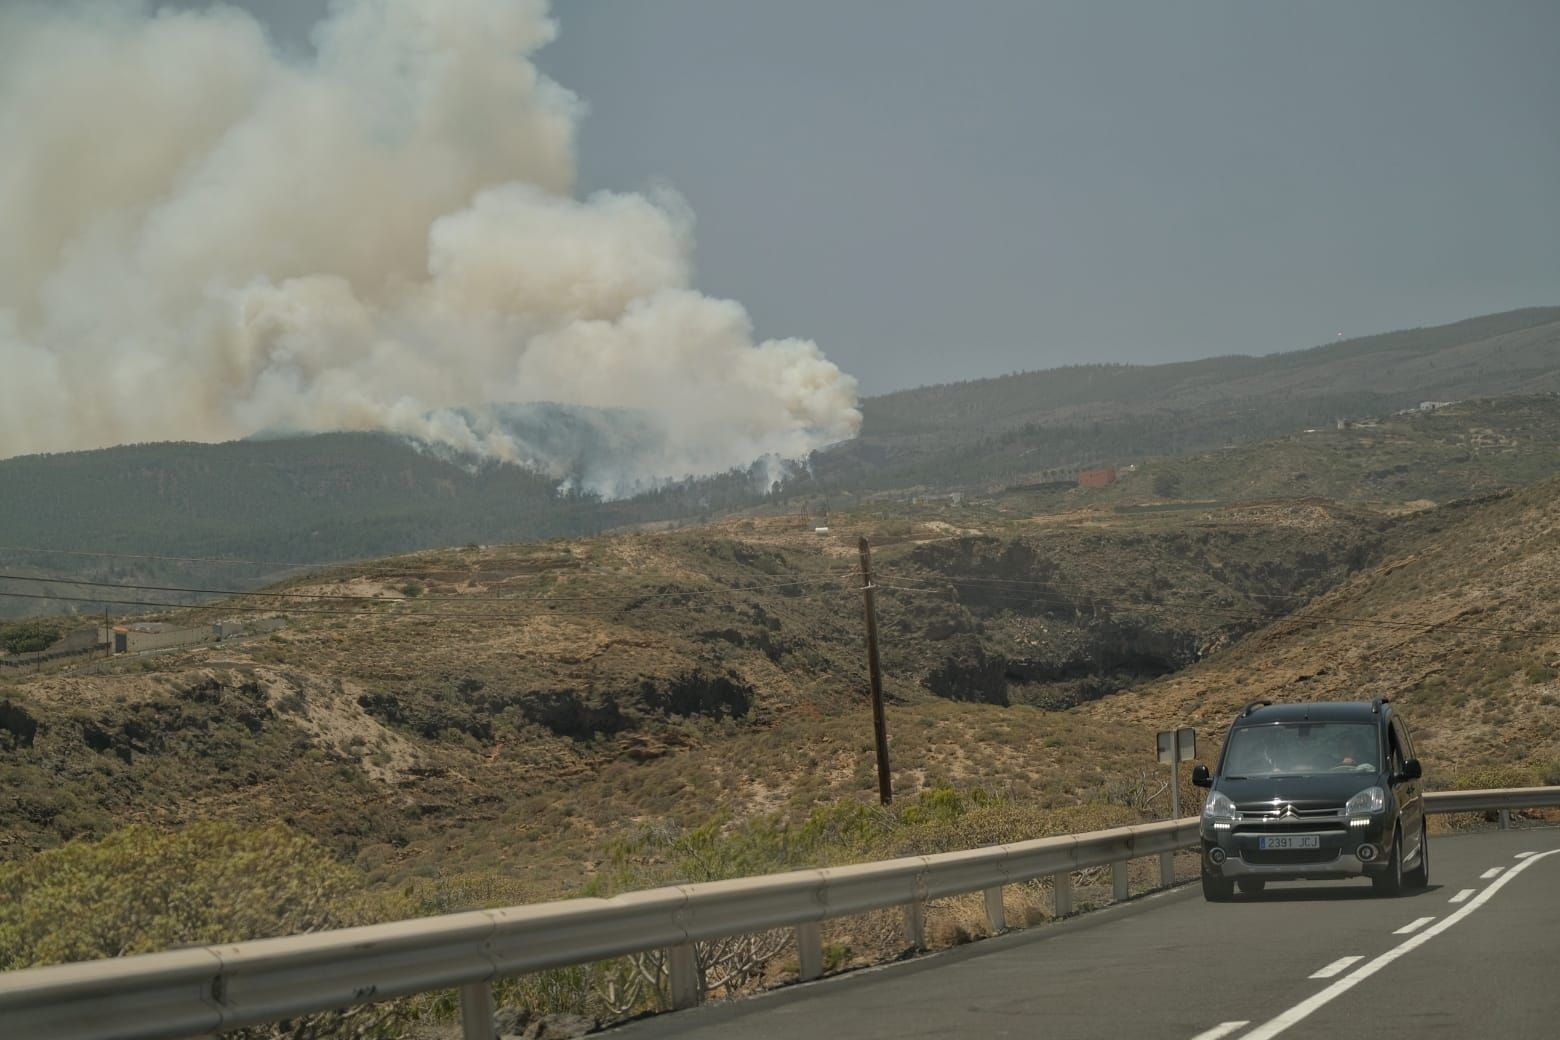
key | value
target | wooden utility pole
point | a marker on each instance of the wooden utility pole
(875, 677)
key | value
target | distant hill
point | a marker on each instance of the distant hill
(1458, 451)
(283, 504)
(996, 430)
(335, 497)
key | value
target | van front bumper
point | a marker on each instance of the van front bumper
(1337, 855)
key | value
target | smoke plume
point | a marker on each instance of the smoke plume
(204, 239)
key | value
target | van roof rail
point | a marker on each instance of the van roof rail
(1375, 705)
(1253, 706)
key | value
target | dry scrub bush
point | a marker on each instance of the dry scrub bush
(141, 890)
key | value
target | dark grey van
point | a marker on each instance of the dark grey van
(1320, 791)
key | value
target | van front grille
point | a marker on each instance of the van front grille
(1287, 857)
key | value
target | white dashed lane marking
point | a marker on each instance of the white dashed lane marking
(1492, 872)
(1414, 925)
(1338, 987)
(1222, 1029)
(1335, 967)
(1459, 897)
(1524, 855)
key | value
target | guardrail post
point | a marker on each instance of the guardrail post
(476, 1012)
(915, 924)
(1505, 819)
(1167, 868)
(1061, 889)
(683, 966)
(809, 950)
(996, 913)
(1119, 890)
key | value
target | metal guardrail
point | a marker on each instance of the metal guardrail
(1503, 802)
(1492, 801)
(208, 989)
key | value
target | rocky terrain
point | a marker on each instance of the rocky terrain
(1459, 626)
(461, 706)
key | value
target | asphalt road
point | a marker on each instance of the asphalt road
(1475, 954)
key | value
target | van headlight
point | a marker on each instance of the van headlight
(1370, 800)
(1218, 807)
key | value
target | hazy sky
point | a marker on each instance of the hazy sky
(938, 191)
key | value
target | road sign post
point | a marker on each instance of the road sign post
(1174, 746)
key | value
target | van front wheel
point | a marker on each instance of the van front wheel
(1390, 881)
(1419, 877)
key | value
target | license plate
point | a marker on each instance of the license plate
(1289, 841)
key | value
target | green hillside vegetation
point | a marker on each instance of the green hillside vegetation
(215, 883)
(31, 635)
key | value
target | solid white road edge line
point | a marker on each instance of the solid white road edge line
(1459, 897)
(1492, 872)
(1222, 1029)
(1336, 966)
(1414, 925)
(1302, 1010)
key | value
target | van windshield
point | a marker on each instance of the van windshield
(1302, 749)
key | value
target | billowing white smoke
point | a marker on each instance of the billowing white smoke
(200, 239)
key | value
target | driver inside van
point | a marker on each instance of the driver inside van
(1357, 749)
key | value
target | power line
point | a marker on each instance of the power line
(173, 559)
(361, 612)
(1014, 590)
(347, 597)
(483, 609)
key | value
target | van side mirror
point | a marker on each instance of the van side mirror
(1200, 777)
(1412, 770)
